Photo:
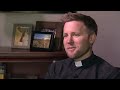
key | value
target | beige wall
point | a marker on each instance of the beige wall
(107, 44)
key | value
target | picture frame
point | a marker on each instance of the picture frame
(21, 36)
(42, 41)
(56, 28)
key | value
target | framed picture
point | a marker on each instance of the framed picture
(55, 27)
(21, 35)
(42, 41)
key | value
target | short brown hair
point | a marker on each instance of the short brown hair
(87, 20)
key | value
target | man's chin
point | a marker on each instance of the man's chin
(71, 56)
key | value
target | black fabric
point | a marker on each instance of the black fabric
(93, 67)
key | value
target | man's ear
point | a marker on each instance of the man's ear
(92, 38)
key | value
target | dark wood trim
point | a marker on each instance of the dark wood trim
(24, 55)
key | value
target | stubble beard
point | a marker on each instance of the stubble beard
(80, 54)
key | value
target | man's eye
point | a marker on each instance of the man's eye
(65, 35)
(76, 34)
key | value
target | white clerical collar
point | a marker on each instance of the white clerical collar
(78, 63)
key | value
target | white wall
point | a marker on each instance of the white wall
(106, 46)
(2, 28)
(8, 19)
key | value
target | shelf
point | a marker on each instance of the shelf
(23, 55)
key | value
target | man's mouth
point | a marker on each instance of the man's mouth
(71, 48)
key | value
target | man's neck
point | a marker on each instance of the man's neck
(86, 55)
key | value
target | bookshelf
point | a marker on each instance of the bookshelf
(21, 62)
(25, 62)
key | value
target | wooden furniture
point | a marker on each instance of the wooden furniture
(20, 61)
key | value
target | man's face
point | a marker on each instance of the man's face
(76, 39)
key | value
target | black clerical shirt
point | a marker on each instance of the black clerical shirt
(93, 67)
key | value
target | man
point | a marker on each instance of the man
(79, 35)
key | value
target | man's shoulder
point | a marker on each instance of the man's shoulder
(103, 63)
(106, 69)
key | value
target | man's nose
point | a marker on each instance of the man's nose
(70, 40)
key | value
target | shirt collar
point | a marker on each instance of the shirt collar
(86, 62)
(78, 63)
